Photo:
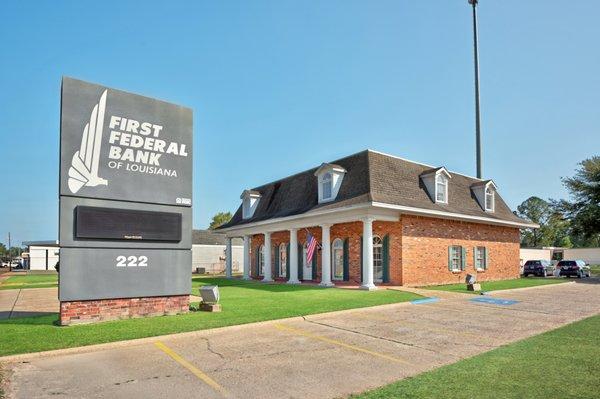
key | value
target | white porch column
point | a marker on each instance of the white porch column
(325, 257)
(293, 257)
(228, 260)
(246, 257)
(367, 271)
(267, 257)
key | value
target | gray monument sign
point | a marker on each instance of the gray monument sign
(125, 195)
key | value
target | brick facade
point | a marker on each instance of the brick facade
(80, 312)
(418, 249)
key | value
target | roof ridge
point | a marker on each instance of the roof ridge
(423, 164)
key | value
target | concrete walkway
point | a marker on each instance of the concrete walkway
(28, 302)
(321, 356)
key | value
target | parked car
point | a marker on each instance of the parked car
(576, 268)
(542, 268)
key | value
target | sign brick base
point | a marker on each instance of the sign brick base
(80, 312)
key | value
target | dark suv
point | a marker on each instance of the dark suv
(576, 268)
(542, 268)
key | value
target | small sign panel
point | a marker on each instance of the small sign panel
(122, 146)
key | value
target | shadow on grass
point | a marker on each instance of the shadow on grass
(46, 319)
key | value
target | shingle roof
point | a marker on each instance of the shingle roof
(211, 237)
(370, 176)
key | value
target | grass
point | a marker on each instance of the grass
(242, 302)
(500, 285)
(595, 270)
(30, 281)
(562, 363)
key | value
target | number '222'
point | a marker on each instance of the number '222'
(132, 261)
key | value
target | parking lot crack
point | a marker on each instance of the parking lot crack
(378, 337)
(210, 348)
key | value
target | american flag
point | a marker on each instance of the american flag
(311, 247)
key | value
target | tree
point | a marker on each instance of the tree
(584, 208)
(553, 225)
(3, 250)
(220, 219)
(14, 252)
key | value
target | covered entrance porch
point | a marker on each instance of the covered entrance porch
(358, 246)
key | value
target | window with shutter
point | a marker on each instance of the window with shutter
(480, 258)
(456, 261)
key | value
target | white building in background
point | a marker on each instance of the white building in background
(208, 252)
(591, 256)
(41, 255)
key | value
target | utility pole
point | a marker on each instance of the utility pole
(477, 115)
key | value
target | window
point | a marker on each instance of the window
(441, 189)
(455, 258)
(327, 183)
(480, 256)
(246, 208)
(377, 259)
(261, 260)
(282, 260)
(307, 267)
(489, 199)
(337, 254)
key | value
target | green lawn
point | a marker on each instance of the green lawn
(562, 363)
(500, 285)
(30, 281)
(595, 269)
(242, 302)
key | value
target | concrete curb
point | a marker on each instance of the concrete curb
(140, 341)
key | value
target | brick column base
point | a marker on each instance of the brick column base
(80, 312)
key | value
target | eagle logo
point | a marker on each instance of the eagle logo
(84, 165)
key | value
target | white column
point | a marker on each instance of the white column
(228, 260)
(246, 257)
(267, 256)
(368, 255)
(325, 257)
(293, 257)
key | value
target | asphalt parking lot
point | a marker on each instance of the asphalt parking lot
(321, 356)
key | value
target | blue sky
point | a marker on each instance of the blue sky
(278, 87)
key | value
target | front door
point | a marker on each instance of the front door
(306, 267)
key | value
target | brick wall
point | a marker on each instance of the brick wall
(418, 251)
(80, 312)
(425, 244)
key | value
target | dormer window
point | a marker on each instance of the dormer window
(250, 199)
(485, 192)
(436, 183)
(489, 199)
(441, 189)
(329, 180)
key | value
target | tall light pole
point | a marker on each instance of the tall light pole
(477, 116)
